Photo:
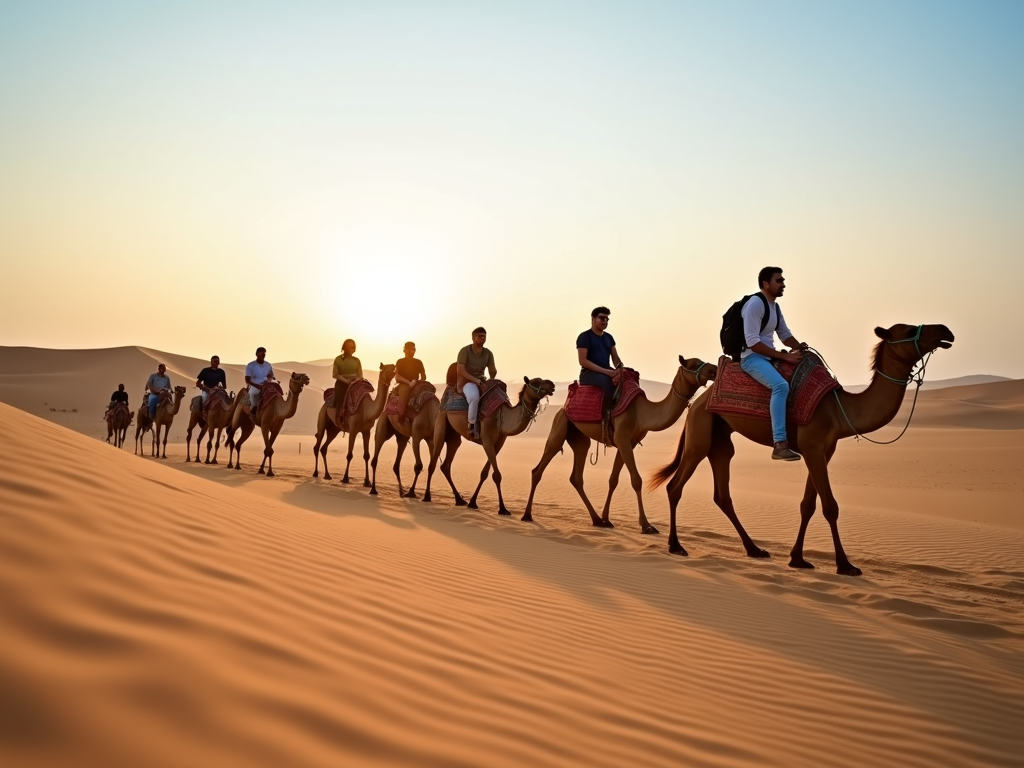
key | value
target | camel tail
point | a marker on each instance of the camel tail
(658, 478)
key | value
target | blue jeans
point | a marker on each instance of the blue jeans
(153, 400)
(761, 370)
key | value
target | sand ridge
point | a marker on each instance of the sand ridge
(155, 617)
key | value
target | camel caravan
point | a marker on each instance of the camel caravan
(787, 400)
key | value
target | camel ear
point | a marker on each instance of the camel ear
(883, 333)
(682, 361)
(526, 380)
(382, 366)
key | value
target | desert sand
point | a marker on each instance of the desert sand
(156, 613)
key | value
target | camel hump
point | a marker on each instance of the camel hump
(451, 379)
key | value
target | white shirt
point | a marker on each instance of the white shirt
(258, 373)
(753, 313)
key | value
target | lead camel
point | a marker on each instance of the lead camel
(709, 435)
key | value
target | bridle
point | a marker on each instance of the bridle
(696, 377)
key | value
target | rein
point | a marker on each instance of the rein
(916, 376)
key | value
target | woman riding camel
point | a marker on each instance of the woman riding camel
(347, 369)
(408, 371)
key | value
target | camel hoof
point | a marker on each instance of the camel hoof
(344, 481)
(675, 548)
(238, 466)
(373, 491)
(426, 498)
(270, 474)
(471, 505)
(799, 562)
(526, 518)
(848, 569)
(412, 495)
(601, 523)
(366, 483)
(758, 553)
(214, 461)
(647, 530)
(316, 474)
(504, 512)
(261, 471)
(327, 476)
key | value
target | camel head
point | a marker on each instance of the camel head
(297, 382)
(387, 373)
(537, 389)
(179, 392)
(910, 343)
(696, 372)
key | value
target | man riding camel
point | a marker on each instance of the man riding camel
(759, 351)
(472, 361)
(257, 374)
(596, 352)
(120, 396)
(210, 378)
(408, 371)
(156, 385)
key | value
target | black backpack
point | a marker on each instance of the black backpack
(732, 336)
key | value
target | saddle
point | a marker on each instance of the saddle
(736, 392)
(493, 394)
(354, 396)
(117, 408)
(270, 391)
(627, 389)
(164, 397)
(422, 391)
(218, 397)
(584, 403)
(197, 404)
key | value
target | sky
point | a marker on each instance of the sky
(206, 178)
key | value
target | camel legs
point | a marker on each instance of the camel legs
(417, 467)
(246, 427)
(366, 456)
(817, 468)
(720, 456)
(580, 445)
(553, 445)
(625, 451)
(402, 441)
(452, 440)
(696, 449)
(214, 434)
(613, 483)
(381, 434)
(492, 461)
(330, 435)
(268, 450)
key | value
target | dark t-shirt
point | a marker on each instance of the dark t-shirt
(599, 348)
(409, 369)
(211, 377)
(119, 397)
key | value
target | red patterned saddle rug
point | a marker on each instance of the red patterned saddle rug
(493, 395)
(629, 388)
(218, 397)
(583, 403)
(268, 394)
(735, 392)
(422, 391)
(118, 408)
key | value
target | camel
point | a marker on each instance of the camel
(165, 413)
(209, 422)
(839, 415)
(359, 422)
(420, 428)
(628, 429)
(118, 422)
(508, 420)
(270, 420)
(142, 426)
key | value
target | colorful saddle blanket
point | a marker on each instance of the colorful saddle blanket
(735, 392)
(628, 387)
(269, 393)
(422, 391)
(116, 409)
(493, 394)
(583, 403)
(357, 390)
(196, 404)
(218, 398)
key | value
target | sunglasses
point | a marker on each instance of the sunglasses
(603, 317)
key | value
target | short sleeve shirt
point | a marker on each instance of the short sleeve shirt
(346, 366)
(211, 377)
(599, 348)
(476, 364)
(156, 381)
(410, 368)
(258, 373)
(119, 397)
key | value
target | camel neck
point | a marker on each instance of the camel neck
(877, 405)
(659, 415)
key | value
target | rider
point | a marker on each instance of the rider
(759, 351)
(257, 373)
(156, 385)
(210, 378)
(473, 360)
(120, 396)
(347, 370)
(596, 352)
(408, 371)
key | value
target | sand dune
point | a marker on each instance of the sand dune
(158, 617)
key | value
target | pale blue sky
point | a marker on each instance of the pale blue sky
(299, 173)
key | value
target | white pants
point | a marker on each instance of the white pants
(472, 393)
(254, 396)
(205, 395)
